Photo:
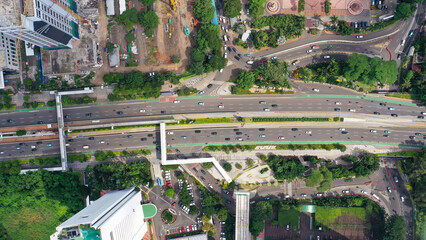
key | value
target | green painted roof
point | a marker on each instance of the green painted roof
(149, 210)
(308, 208)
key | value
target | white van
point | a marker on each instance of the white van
(85, 147)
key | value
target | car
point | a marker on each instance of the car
(67, 116)
(394, 115)
(18, 148)
(225, 191)
(150, 135)
(40, 122)
(376, 113)
(262, 129)
(274, 105)
(341, 129)
(91, 138)
(403, 42)
(226, 55)
(129, 136)
(262, 135)
(35, 149)
(1, 152)
(303, 195)
(88, 114)
(246, 55)
(267, 198)
(326, 57)
(412, 137)
(351, 110)
(411, 33)
(227, 139)
(387, 131)
(228, 202)
(201, 92)
(239, 139)
(309, 51)
(420, 117)
(345, 191)
(203, 172)
(338, 103)
(210, 186)
(214, 133)
(391, 108)
(173, 204)
(266, 109)
(417, 134)
(169, 133)
(389, 189)
(239, 133)
(288, 227)
(221, 106)
(10, 120)
(395, 178)
(183, 137)
(176, 101)
(252, 202)
(281, 138)
(373, 131)
(359, 36)
(315, 89)
(382, 104)
(202, 178)
(49, 144)
(210, 85)
(237, 58)
(295, 62)
(344, 132)
(182, 229)
(274, 57)
(262, 102)
(308, 132)
(386, 135)
(120, 113)
(398, 56)
(319, 194)
(337, 109)
(143, 139)
(318, 238)
(201, 103)
(197, 131)
(142, 110)
(402, 199)
(315, 47)
(234, 49)
(264, 60)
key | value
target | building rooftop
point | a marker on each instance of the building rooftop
(9, 13)
(202, 236)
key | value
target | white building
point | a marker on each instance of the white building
(202, 236)
(117, 215)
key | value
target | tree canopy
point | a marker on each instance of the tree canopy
(286, 169)
(204, 10)
(169, 192)
(232, 8)
(404, 11)
(148, 2)
(246, 79)
(256, 8)
(395, 228)
(128, 18)
(314, 179)
(149, 20)
(227, 166)
(260, 212)
(369, 164)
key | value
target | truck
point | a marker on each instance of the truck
(249, 62)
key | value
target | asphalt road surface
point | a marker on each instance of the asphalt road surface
(230, 104)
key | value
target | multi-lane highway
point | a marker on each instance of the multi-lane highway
(203, 136)
(281, 104)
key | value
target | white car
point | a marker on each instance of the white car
(266, 109)
(309, 51)
(359, 36)
(341, 129)
(338, 103)
(281, 138)
(226, 30)
(226, 55)
(326, 56)
(201, 103)
(169, 133)
(142, 110)
(352, 110)
(373, 131)
(223, 28)
(221, 106)
(308, 132)
(221, 70)
(102, 141)
(239, 139)
(316, 90)
(176, 101)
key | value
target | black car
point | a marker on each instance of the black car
(239, 133)
(420, 117)
(294, 129)
(227, 139)
(344, 132)
(40, 122)
(382, 104)
(229, 49)
(195, 170)
(203, 172)
(91, 138)
(412, 137)
(150, 135)
(385, 135)
(143, 139)
(42, 142)
(417, 134)
(10, 120)
(69, 140)
(214, 133)
(337, 109)
(237, 58)
(202, 178)
(394, 115)
(129, 136)
(376, 113)
(21, 144)
(228, 202)
(163, 112)
(120, 113)
(34, 149)
(210, 85)
(261, 129)
(197, 131)
(274, 105)
(67, 116)
(88, 114)
(236, 130)
(234, 49)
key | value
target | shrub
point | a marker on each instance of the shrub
(227, 167)
(21, 132)
(264, 170)
(238, 166)
(169, 192)
(250, 162)
(207, 165)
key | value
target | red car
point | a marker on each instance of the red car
(173, 204)
(190, 228)
(264, 60)
(183, 229)
(349, 24)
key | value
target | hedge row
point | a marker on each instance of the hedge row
(81, 158)
(297, 119)
(101, 156)
(242, 148)
(32, 161)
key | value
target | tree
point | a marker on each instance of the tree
(369, 163)
(350, 159)
(395, 228)
(404, 11)
(314, 179)
(130, 37)
(205, 219)
(334, 19)
(406, 84)
(232, 8)
(250, 162)
(305, 74)
(222, 214)
(240, 29)
(286, 169)
(21, 132)
(149, 19)
(261, 211)
(207, 165)
(128, 18)
(169, 192)
(148, 2)
(238, 166)
(227, 166)
(263, 157)
(256, 8)
(355, 66)
(176, 59)
(301, 6)
(27, 98)
(193, 210)
(246, 79)
(204, 10)
(168, 217)
(327, 7)
(207, 227)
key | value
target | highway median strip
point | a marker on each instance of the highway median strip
(242, 148)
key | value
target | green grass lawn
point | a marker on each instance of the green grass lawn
(399, 154)
(325, 216)
(290, 217)
(404, 95)
(367, 88)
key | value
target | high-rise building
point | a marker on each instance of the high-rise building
(118, 215)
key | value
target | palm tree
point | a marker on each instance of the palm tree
(334, 19)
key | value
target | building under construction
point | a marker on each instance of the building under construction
(50, 24)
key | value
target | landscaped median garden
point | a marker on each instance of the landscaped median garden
(294, 147)
(101, 156)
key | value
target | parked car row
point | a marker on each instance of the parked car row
(168, 179)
